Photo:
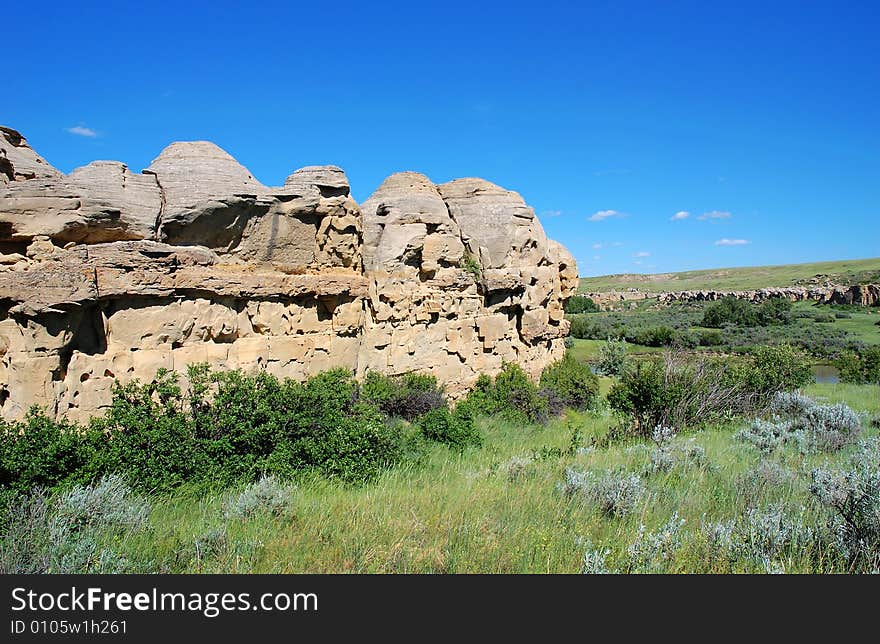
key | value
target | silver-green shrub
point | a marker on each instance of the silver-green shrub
(852, 499)
(595, 561)
(761, 537)
(615, 492)
(651, 552)
(267, 495)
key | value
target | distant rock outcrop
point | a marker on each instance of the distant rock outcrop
(859, 294)
(108, 275)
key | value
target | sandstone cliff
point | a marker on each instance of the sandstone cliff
(109, 275)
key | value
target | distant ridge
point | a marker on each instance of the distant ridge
(849, 271)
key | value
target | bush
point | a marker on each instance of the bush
(730, 310)
(710, 338)
(852, 498)
(652, 552)
(455, 429)
(659, 336)
(612, 357)
(39, 452)
(267, 495)
(407, 396)
(512, 394)
(861, 368)
(70, 532)
(572, 382)
(580, 304)
(676, 392)
(831, 427)
(151, 440)
(230, 428)
(583, 328)
(771, 369)
(811, 426)
(764, 537)
(776, 310)
(615, 492)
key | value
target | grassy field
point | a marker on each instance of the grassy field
(754, 277)
(498, 509)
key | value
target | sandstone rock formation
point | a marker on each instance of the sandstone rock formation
(107, 275)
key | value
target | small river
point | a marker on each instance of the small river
(826, 373)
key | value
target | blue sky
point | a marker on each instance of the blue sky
(761, 120)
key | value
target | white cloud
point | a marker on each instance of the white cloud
(642, 253)
(551, 213)
(605, 214)
(681, 214)
(715, 214)
(732, 242)
(82, 130)
(596, 258)
(617, 244)
(597, 246)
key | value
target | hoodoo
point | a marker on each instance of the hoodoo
(110, 275)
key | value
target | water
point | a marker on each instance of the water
(826, 373)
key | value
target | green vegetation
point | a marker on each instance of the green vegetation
(733, 326)
(671, 461)
(471, 265)
(580, 304)
(504, 508)
(860, 368)
(738, 279)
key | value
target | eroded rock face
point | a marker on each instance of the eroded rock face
(108, 275)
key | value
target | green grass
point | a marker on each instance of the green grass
(465, 514)
(755, 277)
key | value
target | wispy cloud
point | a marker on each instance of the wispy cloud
(732, 242)
(605, 214)
(598, 246)
(596, 258)
(82, 130)
(715, 214)
(681, 214)
(551, 213)
(642, 253)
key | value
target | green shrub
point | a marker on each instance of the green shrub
(583, 328)
(40, 452)
(710, 338)
(407, 396)
(230, 428)
(580, 304)
(572, 382)
(612, 357)
(512, 394)
(773, 368)
(776, 310)
(516, 396)
(862, 367)
(456, 429)
(730, 310)
(659, 336)
(151, 440)
(469, 264)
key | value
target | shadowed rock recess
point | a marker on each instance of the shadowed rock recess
(109, 275)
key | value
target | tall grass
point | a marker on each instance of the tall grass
(502, 509)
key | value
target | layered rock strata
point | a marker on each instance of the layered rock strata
(108, 275)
